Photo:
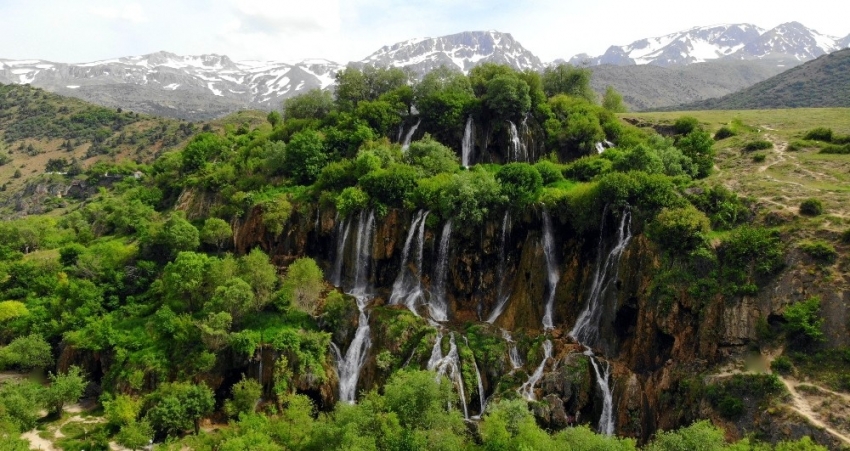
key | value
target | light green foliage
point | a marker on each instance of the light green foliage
(550, 173)
(216, 232)
(21, 404)
(313, 104)
(10, 310)
(215, 330)
(507, 97)
(244, 397)
(257, 269)
(444, 97)
(391, 186)
(235, 297)
(698, 146)
(121, 410)
(350, 200)
(177, 407)
(470, 196)
(686, 124)
(583, 438)
(64, 388)
(382, 116)
(588, 168)
(640, 158)
(303, 284)
(276, 213)
(568, 80)
(135, 435)
(354, 85)
(613, 100)
(679, 230)
(521, 183)
(200, 150)
(184, 281)
(700, 436)
(274, 118)
(803, 321)
(820, 250)
(431, 157)
(509, 425)
(575, 127)
(420, 403)
(305, 157)
(27, 352)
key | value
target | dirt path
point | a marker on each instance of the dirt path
(779, 147)
(39, 443)
(803, 408)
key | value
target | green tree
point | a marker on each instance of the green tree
(201, 149)
(274, 118)
(507, 97)
(699, 147)
(26, 353)
(64, 388)
(276, 213)
(235, 297)
(803, 321)
(21, 404)
(10, 310)
(510, 425)
(135, 435)
(303, 284)
(700, 436)
(568, 80)
(257, 269)
(216, 232)
(244, 396)
(121, 410)
(313, 104)
(521, 183)
(613, 100)
(444, 98)
(305, 157)
(176, 407)
(431, 156)
(184, 281)
(679, 230)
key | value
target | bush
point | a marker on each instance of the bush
(521, 183)
(723, 133)
(549, 172)
(390, 186)
(803, 321)
(679, 229)
(811, 207)
(303, 284)
(759, 158)
(431, 156)
(819, 134)
(758, 144)
(586, 169)
(305, 157)
(819, 250)
(350, 200)
(699, 147)
(782, 365)
(686, 124)
(245, 395)
(26, 353)
(836, 149)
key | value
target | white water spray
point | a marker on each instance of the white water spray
(606, 420)
(513, 352)
(438, 305)
(468, 143)
(527, 389)
(407, 288)
(409, 136)
(501, 297)
(448, 366)
(552, 274)
(517, 147)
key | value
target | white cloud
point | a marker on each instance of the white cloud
(131, 12)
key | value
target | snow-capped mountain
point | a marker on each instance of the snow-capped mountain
(789, 43)
(463, 51)
(192, 86)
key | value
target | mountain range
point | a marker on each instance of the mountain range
(208, 86)
(788, 44)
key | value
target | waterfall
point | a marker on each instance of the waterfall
(517, 147)
(438, 305)
(513, 352)
(527, 389)
(552, 274)
(501, 297)
(407, 288)
(524, 134)
(349, 365)
(606, 420)
(409, 136)
(449, 366)
(468, 143)
(341, 237)
(586, 329)
(482, 400)
(600, 148)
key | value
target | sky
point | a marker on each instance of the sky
(74, 31)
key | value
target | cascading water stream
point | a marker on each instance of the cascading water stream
(552, 273)
(468, 143)
(524, 134)
(586, 329)
(513, 352)
(407, 288)
(438, 305)
(482, 400)
(339, 259)
(409, 136)
(449, 366)
(527, 389)
(517, 147)
(600, 148)
(501, 296)
(350, 364)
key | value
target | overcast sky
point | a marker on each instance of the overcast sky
(345, 30)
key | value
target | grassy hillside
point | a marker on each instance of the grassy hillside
(824, 82)
(648, 86)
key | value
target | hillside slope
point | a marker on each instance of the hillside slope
(824, 82)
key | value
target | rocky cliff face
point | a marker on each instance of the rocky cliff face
(656, 352)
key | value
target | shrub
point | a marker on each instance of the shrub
(686, 124)
(758, 144)
(803, 321)
(819, 134)
(521, 183)
(390, 186)
(723, 133)
(26, 353)
(303, 284)
(752, 246)
(305, 157)
(245, 394)
(586, 169)
(836, 149)
(679, 229)
(699, 147)
(759, 158)
(819, 250)
(811, 207)
(350, 200)
(782, 365)
(431, 156)
(549, 172)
